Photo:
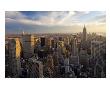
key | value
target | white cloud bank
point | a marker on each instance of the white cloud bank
(60, 18)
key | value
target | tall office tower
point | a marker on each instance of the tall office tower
(98, 71)
(28, 45)
(53, 43)
(42, 40)
(50, 61)
(84, 35)
(36, 41)
(50, 65)
(66, 63)
(74, 58)
(14, 57)
(84, 39)
(55, 58)
(96, 48)
(35, 68)
(66, 40)
(83, 57)
(6, 59)
(49, 41)
(98, 51)
(60, 48)
(74, 46)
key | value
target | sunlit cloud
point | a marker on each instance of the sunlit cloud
(55, 21)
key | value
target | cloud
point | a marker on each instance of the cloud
(55, 18)
(51, 19)
(56, 21)
(67, 18)
(14, 15)
(100, 19)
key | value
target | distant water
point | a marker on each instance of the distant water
(101, 33)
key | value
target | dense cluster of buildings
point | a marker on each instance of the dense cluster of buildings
(79, 55)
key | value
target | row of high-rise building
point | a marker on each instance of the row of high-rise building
(69, 55)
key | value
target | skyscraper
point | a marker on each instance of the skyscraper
(42, 41)
(28, 45)
(96, 48)
(84, 35)
(74, 46)
(14, 57)
(35, 68)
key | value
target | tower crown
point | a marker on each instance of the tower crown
(84, 36)
(84, 29)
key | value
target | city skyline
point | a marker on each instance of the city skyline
(80, 55)
(55, 21)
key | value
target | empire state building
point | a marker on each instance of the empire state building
(84, 35)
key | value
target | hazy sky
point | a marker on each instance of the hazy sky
(54, 21)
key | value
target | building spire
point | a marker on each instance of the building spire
(84, 26)
(84, 34)
(23, 32)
